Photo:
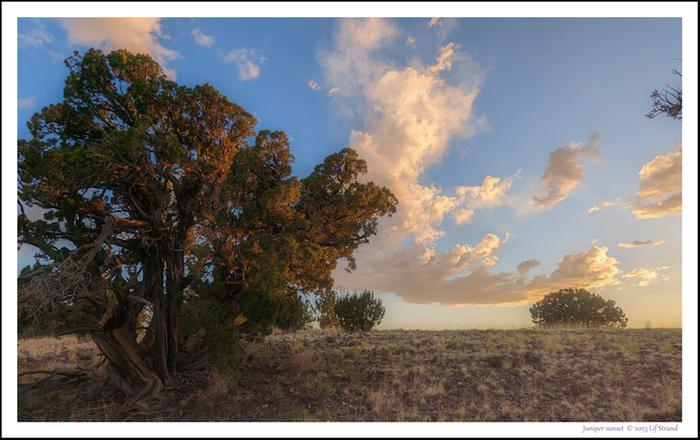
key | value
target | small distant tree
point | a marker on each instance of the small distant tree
(325, 309)
(360, 312)
(577, 307)
(668, 101)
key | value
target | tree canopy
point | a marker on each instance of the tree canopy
(182, 193)
(577, 307)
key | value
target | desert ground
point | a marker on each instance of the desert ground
(313, 375)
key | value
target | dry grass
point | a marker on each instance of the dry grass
(476, 375)
(65, 352)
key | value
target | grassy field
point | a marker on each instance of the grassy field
(474, 375)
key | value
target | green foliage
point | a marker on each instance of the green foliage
(577, 307)
(325, 309)
(359, 312)
(294, 314)
(206, 317)
(209, 317)
(261, 309)
(265, 310)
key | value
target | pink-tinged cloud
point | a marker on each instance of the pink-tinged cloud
(660, 187)
(461, 277)
(564, 172)
(138, 35)
(640, 243)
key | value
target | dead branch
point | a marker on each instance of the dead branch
(62, 284)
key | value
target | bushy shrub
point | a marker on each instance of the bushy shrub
(260, 309)
(325, 309)
(264, 310)
(359, 312)
(293, 314)
(207, 318)
(577, 307)
(210, 317)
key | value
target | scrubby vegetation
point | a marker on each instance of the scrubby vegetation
(603, 375)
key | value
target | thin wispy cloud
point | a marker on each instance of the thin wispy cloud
(639, 243)
(202, 39)
(605, 204)
(246, 61)
(645, 276)
(25, 103)
(36, 36)
(313, 85)
(442, 27)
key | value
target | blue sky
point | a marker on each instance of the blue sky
(436, 106)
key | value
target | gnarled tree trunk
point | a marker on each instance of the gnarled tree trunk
(143, 368)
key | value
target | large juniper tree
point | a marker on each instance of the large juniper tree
(147, 186)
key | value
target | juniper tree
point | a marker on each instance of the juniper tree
(180, 190)
(577, 307)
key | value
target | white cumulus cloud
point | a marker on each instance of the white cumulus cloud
(462, 216)
(413, 115)
(491, 193)
(138, 35)
(408, 116)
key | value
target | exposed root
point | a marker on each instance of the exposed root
(73, 375)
